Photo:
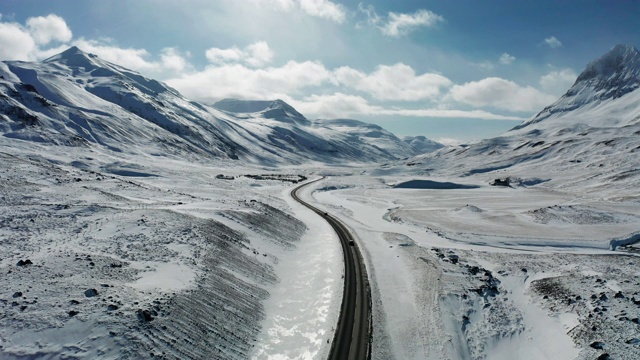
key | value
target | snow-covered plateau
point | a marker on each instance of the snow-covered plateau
(138, 224)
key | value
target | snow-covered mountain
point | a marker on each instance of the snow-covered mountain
(422, 144)
(603, 95)
(589, 137)
(371, 134)
(373, 138)
(77, 99)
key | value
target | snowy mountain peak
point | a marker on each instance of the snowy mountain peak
(422, 144)
(75, 57)
(612, 77)
(269, 109)
(279, 107)
(622, 62)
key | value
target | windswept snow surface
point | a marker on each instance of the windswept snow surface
(486, 272)
(177, 265)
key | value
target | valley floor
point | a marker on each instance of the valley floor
(472, 271)
(150, 257)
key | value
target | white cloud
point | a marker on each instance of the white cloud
(256, 54)
(400, 24)
(45, 29)
(237, 80)
(222, 56)
(345, 105)
(507, 59)
(501, 94)
(324, 9)
(553, 42)
(558, 82)
(172, 60)
(395, 82)
(449, 141)
(337, 105)
(16, 43)
(259, 54)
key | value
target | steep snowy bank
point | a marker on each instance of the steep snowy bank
(179, 265)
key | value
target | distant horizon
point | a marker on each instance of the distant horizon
(450, 72)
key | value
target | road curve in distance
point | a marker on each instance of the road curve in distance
(353, 332)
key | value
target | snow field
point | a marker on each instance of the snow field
(473, 261)
(179, 264)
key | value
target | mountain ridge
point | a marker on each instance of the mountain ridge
(607, 78)
(77, 99)
(590, 140)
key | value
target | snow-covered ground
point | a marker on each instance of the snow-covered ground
(461, 269)
(108, 255)
(126, 256)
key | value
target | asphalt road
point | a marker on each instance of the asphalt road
(353, 332)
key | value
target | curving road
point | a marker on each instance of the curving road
(353, 332)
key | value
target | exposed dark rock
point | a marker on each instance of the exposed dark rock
(24, 262)
(17, 294)
(145, 315)
(91, 293)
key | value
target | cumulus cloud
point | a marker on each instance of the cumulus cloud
(553, 42)
(395, 82)
(45, 29)
(324, 9)
(16, 42)
(237, 80)
(25, 42)
(231, 76)
(449, 141)
(171, 59)
(337, 105)
(222, 56)
(400, 24)
(345, 105)
(501, 94)
(256, 54)
(558, 82)
(507, 59)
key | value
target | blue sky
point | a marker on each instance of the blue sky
(450, 70)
